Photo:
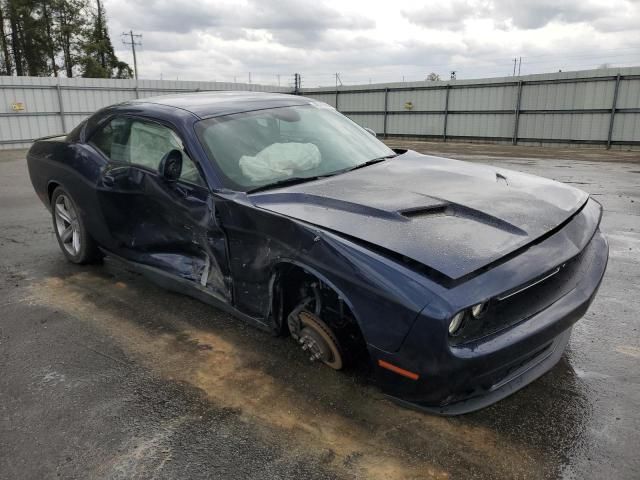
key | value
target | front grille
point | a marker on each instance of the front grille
(524, 301)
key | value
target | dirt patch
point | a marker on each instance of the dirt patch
(358, 432)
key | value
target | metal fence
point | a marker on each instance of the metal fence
(593, 107)
(33, 107)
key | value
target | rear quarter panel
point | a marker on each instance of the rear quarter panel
(75, 167)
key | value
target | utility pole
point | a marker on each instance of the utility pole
(133, 44)
(338, 80)
(249, 78)
(296, 83)
(515, 60)
(519, 65)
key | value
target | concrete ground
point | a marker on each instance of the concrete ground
(104, 375)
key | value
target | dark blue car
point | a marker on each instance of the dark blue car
(455, 283)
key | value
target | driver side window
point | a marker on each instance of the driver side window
(143, 143)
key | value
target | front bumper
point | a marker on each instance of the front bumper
(459, 379)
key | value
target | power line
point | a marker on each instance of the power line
(133, 44)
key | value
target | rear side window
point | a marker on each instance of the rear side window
(112, 139)
(142, 143)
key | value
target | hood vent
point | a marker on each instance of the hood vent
(426, 211)
(455, 210)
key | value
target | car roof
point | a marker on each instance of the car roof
(214, 104)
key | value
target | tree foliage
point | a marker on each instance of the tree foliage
(47, 37)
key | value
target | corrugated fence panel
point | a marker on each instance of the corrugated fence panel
(89, 101)
(483, 98)
(626, 127)
(422, 100)
(329, 98)
(415, 124)
(486, 109)
(34, 100)
(629, 94)
(554, 126)
(372, 121)
(481, 109)
(361, 102)
(583, 95)
(39, 97)
(480, 125)
(29, 127)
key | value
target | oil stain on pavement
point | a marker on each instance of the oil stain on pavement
(348, 426)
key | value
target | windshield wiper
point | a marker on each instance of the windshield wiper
(373, 161)
(285, 182)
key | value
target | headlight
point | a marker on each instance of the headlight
(478, 310)
(456, 323)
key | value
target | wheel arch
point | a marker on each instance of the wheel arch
(51, 187)
(277, 269)
(292, 267)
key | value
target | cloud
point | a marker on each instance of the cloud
(230, 19)
(444, 15)
(537, 14)
(384, 41)
(507, 13)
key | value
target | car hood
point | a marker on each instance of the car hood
(451, 216)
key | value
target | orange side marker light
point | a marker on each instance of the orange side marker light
(398, 370)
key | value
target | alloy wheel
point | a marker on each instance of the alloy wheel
(67, 224)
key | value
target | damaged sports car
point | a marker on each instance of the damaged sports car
(455, 283)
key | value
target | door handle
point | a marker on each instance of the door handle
(113, 175)
(108, 181)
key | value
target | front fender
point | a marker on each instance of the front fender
(384, 297)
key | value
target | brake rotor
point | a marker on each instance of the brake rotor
(318, 340)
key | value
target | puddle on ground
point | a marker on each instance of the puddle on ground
(359, 432)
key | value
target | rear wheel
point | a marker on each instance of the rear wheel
(73, 238)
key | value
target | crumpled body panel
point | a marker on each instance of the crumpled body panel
(451, 216)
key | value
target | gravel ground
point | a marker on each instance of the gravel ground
(104, 375)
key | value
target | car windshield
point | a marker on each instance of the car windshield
(280, 145)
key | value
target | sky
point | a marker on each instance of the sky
(267, 41)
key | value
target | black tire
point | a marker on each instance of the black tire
(78, 246)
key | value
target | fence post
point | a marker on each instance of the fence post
(516, 113)
(61, 108)
(446, 112)
(386, 103)
(612, 116)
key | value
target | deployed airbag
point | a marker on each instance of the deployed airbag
(280, 160)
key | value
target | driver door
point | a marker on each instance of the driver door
(170, 225)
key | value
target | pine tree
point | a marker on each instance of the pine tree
(28, 37)
(99, 60)
(6, 63)
(69, 25)
(16, 42)
(50, 39)
(40, 37)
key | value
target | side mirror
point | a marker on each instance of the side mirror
(371, 131)
(171, 165)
